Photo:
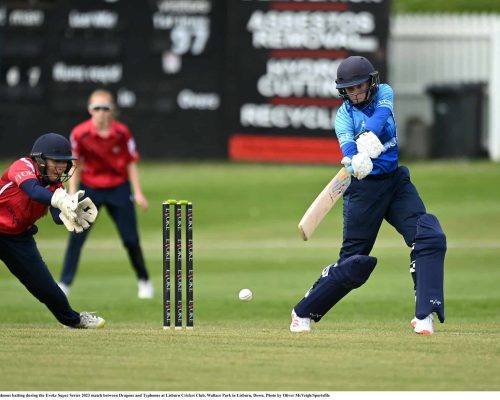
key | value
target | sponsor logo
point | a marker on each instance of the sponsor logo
(390, 143)
(328, 30)
(101, 19)
(111, 73)
(281, 116)
(185, 7)
(26, 18)
(19, 176)
(189, 100)
(385, 102)
(339, 186)
(298, 77)
(326, 270)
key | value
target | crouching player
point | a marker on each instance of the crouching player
(28, 188)
(380, 189)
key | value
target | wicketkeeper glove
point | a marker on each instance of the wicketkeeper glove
(369, 143)
(64, 202)
(68, 205)
(86, 213)
(70, 224)
(76, 215)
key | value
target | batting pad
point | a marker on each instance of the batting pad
(430, 249)
(334, 283)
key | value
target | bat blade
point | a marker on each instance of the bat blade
(324, 203)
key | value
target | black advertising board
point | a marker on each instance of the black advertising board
(180, 79)
(192, 78)
(286, 100)
(163, 60)
(23, 84)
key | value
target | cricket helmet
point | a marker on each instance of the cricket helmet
(52, 146)
(353, 71)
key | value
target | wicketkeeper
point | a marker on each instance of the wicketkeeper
(28, 188)
(380, 189)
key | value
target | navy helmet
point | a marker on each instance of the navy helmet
(353, 71)
(52, 146)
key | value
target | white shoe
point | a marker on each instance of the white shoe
(64, 288)
(89, 320)
(413, 322)
(146, 290)
(424, 326)
(301, 325)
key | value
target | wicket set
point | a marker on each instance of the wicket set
(178, 308)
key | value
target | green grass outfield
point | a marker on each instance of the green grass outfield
(245, 231)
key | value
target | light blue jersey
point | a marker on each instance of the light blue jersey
(378, 117)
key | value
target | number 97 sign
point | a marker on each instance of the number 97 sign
(190, 38)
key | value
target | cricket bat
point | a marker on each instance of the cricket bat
(324, 202)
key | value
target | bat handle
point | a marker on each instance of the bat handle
(350, 169)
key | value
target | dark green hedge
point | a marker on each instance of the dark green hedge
(410, 6)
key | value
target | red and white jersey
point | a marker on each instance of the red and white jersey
(18, 212)
(104, 159)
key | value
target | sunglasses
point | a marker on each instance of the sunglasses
(101, 108)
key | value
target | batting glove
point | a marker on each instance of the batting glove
(370, 144)
(346, 162)
(362, 165)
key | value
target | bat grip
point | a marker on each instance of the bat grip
(350, 169)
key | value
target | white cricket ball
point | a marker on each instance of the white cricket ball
(245, 295)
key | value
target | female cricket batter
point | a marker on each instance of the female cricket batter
(106, 168)
(380, 189)
(28, 188)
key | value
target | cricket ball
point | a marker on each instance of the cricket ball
(245, 295)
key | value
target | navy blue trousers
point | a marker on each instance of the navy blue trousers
(369, 201)
(21, 256)
(119, 202)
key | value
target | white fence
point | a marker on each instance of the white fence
(429, 49)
